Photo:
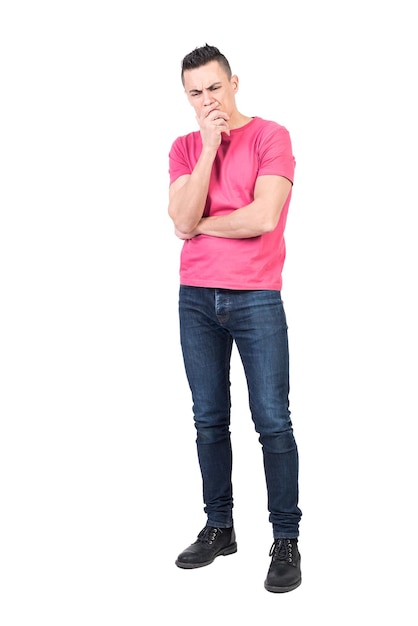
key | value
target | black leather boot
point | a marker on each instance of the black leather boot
(211, 542)
(284, 572)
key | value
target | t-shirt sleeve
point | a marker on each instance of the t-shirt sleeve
(276, 154)
(178, 163)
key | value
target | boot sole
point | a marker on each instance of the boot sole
(282, 589)
(228, 550)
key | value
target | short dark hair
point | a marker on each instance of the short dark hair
(201, 56)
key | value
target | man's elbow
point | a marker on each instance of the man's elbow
(269, 224)
(182, 225)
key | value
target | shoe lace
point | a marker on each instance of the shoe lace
(209, 534)
(282, 550)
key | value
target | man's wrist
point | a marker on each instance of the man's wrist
(199, 230)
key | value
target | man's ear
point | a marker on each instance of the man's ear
(235, 83)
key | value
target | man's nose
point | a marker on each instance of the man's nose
(207, 98)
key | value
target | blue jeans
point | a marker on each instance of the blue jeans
(210, 321)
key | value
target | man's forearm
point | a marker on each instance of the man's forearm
(242, 223)
(188, 202)
(256, 218)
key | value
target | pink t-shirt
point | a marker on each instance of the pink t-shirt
(259, 148)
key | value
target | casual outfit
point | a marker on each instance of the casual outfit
(230, 291)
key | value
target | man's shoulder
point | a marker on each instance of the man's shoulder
(269, 130)
(267, 123)
(188, 138)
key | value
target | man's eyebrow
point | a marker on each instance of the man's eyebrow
(218, 84)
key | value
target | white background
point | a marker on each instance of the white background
(100, 488)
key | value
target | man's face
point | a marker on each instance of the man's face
(208, 84)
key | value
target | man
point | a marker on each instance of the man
(230, 188)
